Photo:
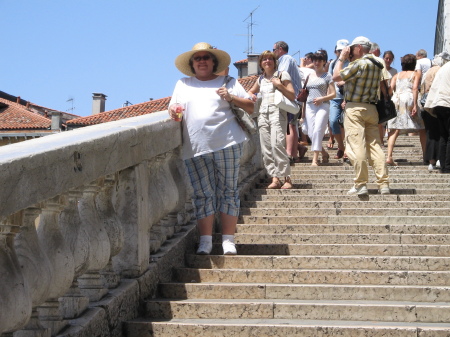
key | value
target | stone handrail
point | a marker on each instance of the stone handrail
(83, 214)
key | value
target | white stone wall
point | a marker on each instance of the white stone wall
(84, 220)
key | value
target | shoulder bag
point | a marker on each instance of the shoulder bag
(303, 93)
(385, 107)
(284, 103)
(246, 122)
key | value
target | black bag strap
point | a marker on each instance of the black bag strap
(379, 65)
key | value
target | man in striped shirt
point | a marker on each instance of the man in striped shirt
(362, 81)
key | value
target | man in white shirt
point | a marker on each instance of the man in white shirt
(287, 63)
(423, 63)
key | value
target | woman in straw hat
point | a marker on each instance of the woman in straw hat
(212, 139)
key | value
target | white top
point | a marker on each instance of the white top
(208, 123)
(423, 65)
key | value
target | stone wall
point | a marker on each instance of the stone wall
(90, 221)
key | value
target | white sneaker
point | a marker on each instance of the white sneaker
(361, 190)
(438, 164)
(431, 167)
(205, 246)
(385, 190)
(229, 248)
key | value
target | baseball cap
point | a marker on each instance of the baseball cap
(341, 44)
(363, 41)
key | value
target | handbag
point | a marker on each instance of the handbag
(423, 99)
(284, 103)
(385, 107)
(246, 122)
(303, 93)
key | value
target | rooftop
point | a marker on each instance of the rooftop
(15, 116)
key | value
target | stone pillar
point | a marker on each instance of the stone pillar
(91, 282)
(37, 270)
(112, 226)
(132, 206)
(15, 297)
(61, 260)
(73, 303)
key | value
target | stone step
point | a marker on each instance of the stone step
(362, 211)
(344, 219)
(282, 327)
(342, 229)
(297, 197)
(347, 292)
(396, 188)
(342, 190)
(344, 204)
(338, 249)
(301, 179)
(431, 239)
(393, 311)
(366, 262)
(314, 276)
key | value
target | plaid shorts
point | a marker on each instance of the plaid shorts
(214, 178)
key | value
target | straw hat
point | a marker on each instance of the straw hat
(182, 61)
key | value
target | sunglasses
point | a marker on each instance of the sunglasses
(275, 49)
(204, 58)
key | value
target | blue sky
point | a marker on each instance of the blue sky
(53, 51)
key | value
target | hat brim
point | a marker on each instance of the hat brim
(182, 61)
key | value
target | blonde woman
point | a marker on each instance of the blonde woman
(272, 122)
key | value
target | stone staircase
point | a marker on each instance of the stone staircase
(315, 262)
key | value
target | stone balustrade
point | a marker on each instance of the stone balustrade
(89, 223)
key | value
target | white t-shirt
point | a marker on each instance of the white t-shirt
(423, 65)
(208, 123)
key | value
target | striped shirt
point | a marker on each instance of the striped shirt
(362, 80)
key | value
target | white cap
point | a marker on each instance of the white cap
(363, 41)
(341, 44)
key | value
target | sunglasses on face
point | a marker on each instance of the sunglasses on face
(204, 58)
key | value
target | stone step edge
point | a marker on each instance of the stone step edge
(298, 323)
(318, 270)
(327, 302)
(309, 285)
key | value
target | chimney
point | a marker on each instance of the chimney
(56, 120)
(18, 100)
(253, 67)
(98, 103)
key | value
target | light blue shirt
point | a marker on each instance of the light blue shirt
(287, 63)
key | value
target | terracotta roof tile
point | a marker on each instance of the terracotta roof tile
(14, 116)
(244, 61)
(139, 109)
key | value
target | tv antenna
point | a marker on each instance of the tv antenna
(72, 108)
(250, 31)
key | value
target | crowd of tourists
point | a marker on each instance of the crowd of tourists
(337, 95)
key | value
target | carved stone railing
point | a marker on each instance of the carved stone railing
(90, 221)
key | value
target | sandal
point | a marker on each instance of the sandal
(287, 184)
(314, 163)
(275, 185)
(339, 154)
(331, 145)
(296, 160)
(326, 158)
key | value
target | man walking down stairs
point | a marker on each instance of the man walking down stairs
(314, 261)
